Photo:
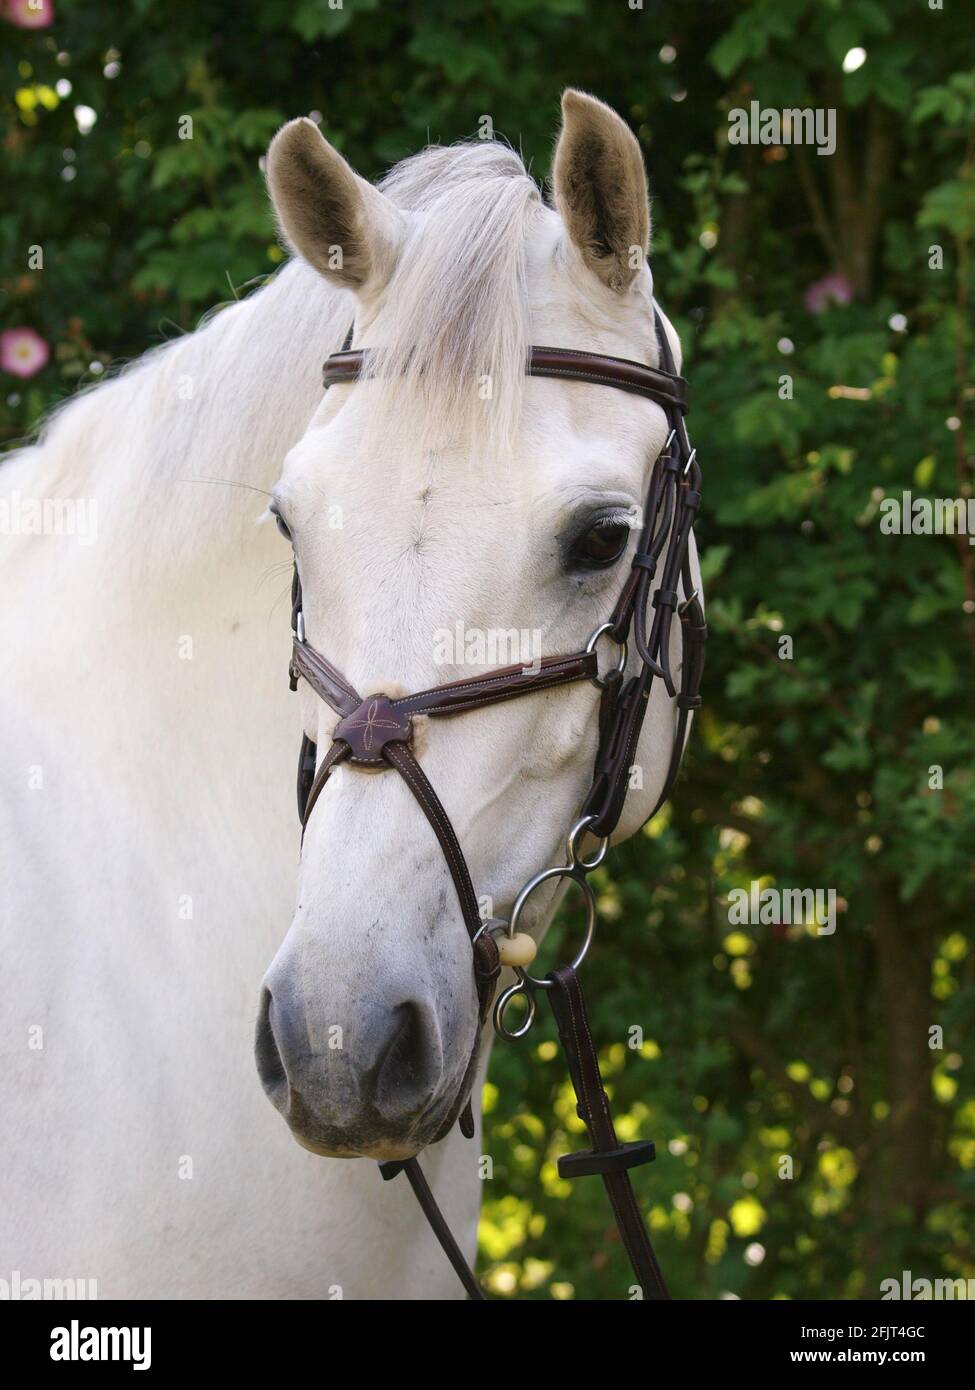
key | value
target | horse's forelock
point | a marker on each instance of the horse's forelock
(452, 334)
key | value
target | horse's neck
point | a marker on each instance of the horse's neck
(165, 458)
(160, 647)
(167, 455)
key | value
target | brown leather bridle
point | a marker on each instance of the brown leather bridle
(377, 731)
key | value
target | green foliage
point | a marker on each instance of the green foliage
(757, 1043)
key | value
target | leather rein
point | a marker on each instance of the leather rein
(376, 732)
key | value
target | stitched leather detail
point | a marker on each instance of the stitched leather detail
(336, 754)
(328, 683)
(505, 684)
(433, 810)
(370, 727)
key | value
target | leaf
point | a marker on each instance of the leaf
(731, 49)
(873, 17)
(924, 472)
(952, 206)
(253, 129)
(313, 19)
(713, 561)
(744, 682)
(895, 90)
(842, 35)
(930, 102)
(936, 673)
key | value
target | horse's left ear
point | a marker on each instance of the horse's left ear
(601, 189)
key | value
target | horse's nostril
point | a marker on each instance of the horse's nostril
(410, 1064)
(270, 1065)
(389, 1068)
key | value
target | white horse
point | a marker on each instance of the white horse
(150, 847)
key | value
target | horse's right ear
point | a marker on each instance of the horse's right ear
(339, 223)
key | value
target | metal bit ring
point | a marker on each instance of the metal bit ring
(578, 877)
(600, 681)
(501, 1007)
(576, 860)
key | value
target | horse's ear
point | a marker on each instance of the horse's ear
(601, 189)
(338, 222)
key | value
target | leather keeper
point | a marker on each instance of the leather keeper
(307, 765)
(391, 1168)
(689, 701)
(588, 1163)
(643, 561)
(665, 598)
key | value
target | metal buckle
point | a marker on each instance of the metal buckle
(683, 607)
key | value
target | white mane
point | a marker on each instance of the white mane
(212, 379)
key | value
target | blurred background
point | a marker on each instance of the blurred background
(811, 1096)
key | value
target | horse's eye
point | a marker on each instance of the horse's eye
(601, 545)
(280, 523)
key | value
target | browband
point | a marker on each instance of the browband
(566, 363)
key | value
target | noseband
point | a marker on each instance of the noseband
(376, 732)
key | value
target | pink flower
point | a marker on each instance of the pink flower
(834, 288)
(28, 14)
(22, 351)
